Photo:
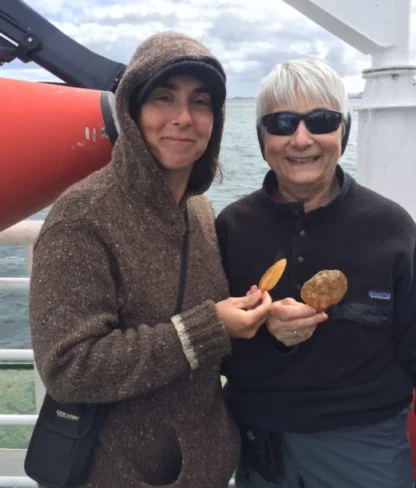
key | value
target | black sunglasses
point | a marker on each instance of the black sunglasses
(318, 121)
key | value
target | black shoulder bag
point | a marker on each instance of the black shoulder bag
(65, 434)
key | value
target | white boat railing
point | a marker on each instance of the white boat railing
(11, 460)
(16, 356)
(17, 482)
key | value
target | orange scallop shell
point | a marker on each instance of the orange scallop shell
(272, 276)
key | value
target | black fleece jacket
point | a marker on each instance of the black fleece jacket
(360, 365)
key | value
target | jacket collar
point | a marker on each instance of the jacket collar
(295, 210)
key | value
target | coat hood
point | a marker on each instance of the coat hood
(137, 169)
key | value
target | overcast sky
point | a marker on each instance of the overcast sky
(248, 36)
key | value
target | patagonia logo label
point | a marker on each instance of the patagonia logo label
(379, 295)
(67, 416)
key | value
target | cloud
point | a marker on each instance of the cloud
(248, 37)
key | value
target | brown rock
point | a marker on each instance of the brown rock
(325, 289)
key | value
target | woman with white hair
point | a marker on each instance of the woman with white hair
(321, 397)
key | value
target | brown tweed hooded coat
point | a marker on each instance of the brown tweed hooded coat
(103, 293)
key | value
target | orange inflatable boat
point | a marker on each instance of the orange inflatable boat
(51, 136)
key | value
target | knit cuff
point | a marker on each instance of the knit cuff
(202, 334)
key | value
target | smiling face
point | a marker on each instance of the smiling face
(303, 162)
(176, 122)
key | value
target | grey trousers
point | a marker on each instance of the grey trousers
(373, 456)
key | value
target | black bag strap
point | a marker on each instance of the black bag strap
(184, 266)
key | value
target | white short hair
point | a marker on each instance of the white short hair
(311, 79)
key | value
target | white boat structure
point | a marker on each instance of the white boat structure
(386, 146)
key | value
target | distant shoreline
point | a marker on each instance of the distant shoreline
(352, 96)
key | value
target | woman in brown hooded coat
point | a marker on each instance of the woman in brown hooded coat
(106, 272)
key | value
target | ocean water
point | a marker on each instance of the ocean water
(243, 172)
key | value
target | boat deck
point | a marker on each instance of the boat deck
(17, 397)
